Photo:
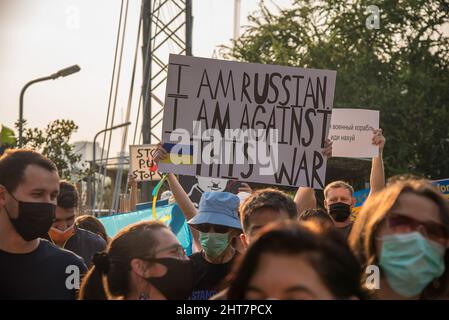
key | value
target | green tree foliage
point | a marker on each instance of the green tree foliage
(53, 142)
(401, 69)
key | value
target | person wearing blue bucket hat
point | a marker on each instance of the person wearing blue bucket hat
(217, 222)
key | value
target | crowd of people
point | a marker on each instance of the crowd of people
(264, 245)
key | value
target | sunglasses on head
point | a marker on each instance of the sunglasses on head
(212, 228)
(434, 231)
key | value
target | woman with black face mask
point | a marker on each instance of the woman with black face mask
(142, 262)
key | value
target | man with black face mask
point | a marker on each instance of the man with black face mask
(339, 196)
(30, 267)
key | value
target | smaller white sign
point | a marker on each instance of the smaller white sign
(351, 132)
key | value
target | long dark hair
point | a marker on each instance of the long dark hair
(330, 257)
(109, 277)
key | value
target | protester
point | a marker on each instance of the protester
(404, 230)
(92, 224)
(290, 261)
(258, 210)
(262, 207)
(339, 197)
(30, 267)
(217, 223)
(183, 202)
(144, 261)
(65, 234)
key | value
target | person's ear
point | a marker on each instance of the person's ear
(325, 204)
(244, 240)
(138, 267)
(353, 202)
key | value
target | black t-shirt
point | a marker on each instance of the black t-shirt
(84, 243)
(46, 273)
(346, 230)
(208, 277)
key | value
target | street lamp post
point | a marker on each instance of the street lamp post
(94, 149)
(61, 73)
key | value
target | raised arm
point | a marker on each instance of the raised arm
(185, 204)
(377, 177)
(305, 199)
(133, 194)
(182, 199)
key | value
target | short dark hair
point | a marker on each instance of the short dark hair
(263, 199)
(311, 214)
(68, 195)
(323, 246)
(13, 164)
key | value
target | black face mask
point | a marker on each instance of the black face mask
(177, 282)
(34, 219)
(340, 211)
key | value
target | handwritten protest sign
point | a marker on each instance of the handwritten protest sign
(246, 121)
(351, 133)
(143, 167)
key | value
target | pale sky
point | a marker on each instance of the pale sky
(39, 37)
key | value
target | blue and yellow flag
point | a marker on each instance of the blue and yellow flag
(178, 153)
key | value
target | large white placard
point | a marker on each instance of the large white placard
(270, 121)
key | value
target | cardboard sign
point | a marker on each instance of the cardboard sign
(143, 168)
(351, 132)
(246, 121)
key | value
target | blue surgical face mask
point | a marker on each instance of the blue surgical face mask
(410, 262)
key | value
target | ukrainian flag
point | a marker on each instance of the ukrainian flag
(178, 154)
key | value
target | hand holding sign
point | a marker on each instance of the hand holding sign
(131, 181)
(327, 151)
(160, 153)
(379, 139)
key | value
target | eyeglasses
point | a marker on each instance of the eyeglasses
(211, 228)
(434, 231)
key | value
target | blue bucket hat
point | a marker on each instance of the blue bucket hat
(220, 208)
